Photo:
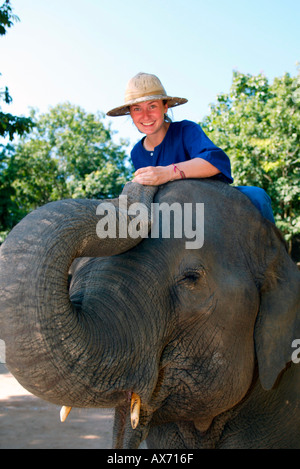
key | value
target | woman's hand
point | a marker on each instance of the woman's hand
(153, 175)
(156, 175)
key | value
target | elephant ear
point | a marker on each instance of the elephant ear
(278, 320)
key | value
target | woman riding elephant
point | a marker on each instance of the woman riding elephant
(174, 150)
(192, 347)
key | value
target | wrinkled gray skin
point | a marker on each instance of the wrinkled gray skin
(203, 336)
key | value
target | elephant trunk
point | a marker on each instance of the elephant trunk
(49, 342)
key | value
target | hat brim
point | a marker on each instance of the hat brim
(125, 109)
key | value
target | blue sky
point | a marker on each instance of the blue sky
(85, 52)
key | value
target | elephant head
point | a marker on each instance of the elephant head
(179, 332)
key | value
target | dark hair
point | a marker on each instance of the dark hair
(167, 118)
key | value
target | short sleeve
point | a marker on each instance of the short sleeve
(198, 145)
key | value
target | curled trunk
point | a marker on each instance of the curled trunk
(51, 346)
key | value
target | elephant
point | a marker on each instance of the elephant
(192, 347)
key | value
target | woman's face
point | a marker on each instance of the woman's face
(149, 116)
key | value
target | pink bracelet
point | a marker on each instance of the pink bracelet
(182, 175)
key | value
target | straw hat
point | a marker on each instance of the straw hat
(144, 87)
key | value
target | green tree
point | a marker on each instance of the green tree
(92, 165)
(10, 124)
(69, 153)
(257, 124)
(8, 207)
(7, 17)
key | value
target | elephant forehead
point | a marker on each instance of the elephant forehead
(194, 190)
(225, 210)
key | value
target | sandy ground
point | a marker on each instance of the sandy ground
(27, 422)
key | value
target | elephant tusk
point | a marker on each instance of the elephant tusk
(64, 412)
(135, 407)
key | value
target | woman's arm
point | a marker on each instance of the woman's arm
(156, 175)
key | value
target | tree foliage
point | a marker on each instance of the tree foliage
(7, 18)
(69, 153)
(10, 124)
(258, 125)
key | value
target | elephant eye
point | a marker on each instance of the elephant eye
(190, 277)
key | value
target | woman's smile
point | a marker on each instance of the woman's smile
(148, 124)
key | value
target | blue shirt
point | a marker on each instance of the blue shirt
(183, 141)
